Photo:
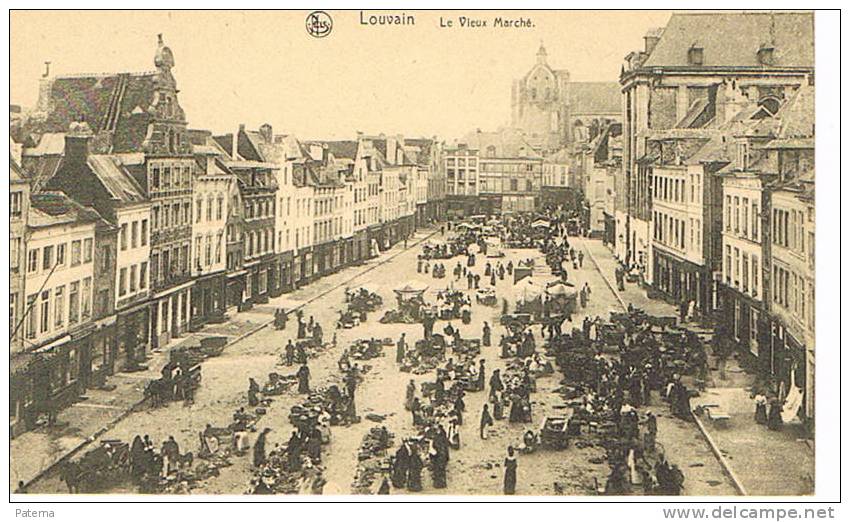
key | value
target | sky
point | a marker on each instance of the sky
(256, 67)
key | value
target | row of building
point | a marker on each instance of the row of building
(129, 229)
(705, 186)
(532, 162)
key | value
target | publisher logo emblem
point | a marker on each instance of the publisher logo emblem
(319, 24)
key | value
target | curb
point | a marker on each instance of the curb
(132, 408)
(724, 464)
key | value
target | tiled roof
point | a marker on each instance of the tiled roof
(342, 149)
(39, 169)
(732, 39)
(115, 178)
(595, 97)
(50, 208)
(115, 107)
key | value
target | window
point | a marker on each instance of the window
(44, 324)
(737, 267)
(60, 254)
(106, 253)
(47, 258)
(218, 240)
(745, 274)
(736, 215)
(13, 304)
(207, 250)
(755, 269)
(133, 278)
(122, 282)
(209, 208)
(143, 275)
(32, 261)
(755, 216)
(124, 237)
(728, 213)
(134, 234)
(16, 204)
(187, 212)
(154, 177)
(219, 209)
(155, 218)
(32, 316)
(86, 300)
(14, 253)
(143, 239)
(76, 249)
(88, 247)
(728, 264)
(746, 219)
(59, 306)
(74, 303)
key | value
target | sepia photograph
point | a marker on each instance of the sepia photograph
(457, 254)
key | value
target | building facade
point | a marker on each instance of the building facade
(685, 74)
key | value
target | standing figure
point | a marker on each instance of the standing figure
(260, 448)
(486, 421)
(303, 379)
(414, 471)
(400, 465)
(401, 348)
(510, 472)
(485, 334)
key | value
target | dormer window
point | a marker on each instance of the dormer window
(695, 55)
(765, 54)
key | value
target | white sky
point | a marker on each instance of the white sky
(257, 67)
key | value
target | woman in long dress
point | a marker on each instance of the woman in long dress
(414, 472)
(761, 409)
(510, 472)
(410, 394)
(303, 379)
(400, 465)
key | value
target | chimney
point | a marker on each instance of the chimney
(650, 40)
(266, 133)
(234, 151)
(77, 142)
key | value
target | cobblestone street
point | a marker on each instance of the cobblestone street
(474, 469)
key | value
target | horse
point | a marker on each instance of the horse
(70, 474)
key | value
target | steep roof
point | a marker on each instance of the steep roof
(39, 169)
(115, 178)
(730, 39)
(51, 143)
(346, 149)
(116, 106)
(595, 97)
(51, 208)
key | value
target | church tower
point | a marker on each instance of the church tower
(538, 104)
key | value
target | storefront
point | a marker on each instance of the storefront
(258, 275)
(360, 246)
(283, 281)
(302, 267)
(791, 368)
(375, 237)
(459, 207)
(681, 280)
(236, 289)
(132, 337)
(208, 300)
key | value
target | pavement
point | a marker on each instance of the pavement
(474, 469)
(763, 462)
(35, 452)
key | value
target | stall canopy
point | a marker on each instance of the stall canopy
(540, 223)
(411, 288)
(561, 289)
(527, 290)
